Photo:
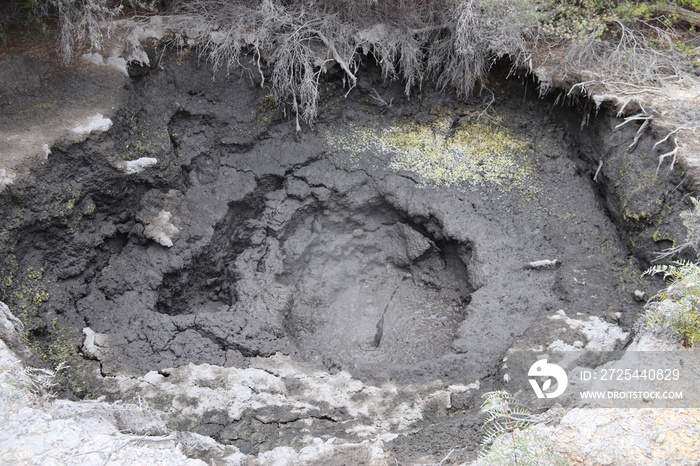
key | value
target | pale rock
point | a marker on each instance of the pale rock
(639, 296)
(594, 437)
(12, 332)
(68, 432)
(130, 167)
(459, 388)
(601, 335)
(9, 322)
(544, 264)
(6, 178)
(95, 344)
(137, 166)
(94, 123)
(161, 230)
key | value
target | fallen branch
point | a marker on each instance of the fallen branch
(493, 99)
(336, 56)
(643, 116)
(639, 133)
(380, 100)
(632, 89)
(676, 146)
(582, 85)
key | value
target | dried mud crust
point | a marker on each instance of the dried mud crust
(325, 251)
(273, 229)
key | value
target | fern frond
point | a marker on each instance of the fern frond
(656, 269)
(509, 435)
(504, 413)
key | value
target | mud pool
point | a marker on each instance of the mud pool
(391, 242)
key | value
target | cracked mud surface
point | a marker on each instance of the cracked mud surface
(291, 244)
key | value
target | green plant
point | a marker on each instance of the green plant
(691, 4)
(675, 311)
(629, 42)
(510, 437)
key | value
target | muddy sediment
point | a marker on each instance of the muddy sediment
(247, 239)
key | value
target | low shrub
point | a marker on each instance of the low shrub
(675, 311)
(37, 385)
(447, 42)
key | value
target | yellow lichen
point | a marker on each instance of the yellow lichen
(267, 108)
(470, 153)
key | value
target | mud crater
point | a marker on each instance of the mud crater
(372, 289)
(365, 287)
(286, 244)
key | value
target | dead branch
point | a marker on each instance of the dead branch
(597, 172)
(639, 133)
(582, 85)
(343, 64)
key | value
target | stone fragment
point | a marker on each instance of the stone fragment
(131, 167)
(95, 344)
(94, 123)
(543, 264)
(6, 178)
(9, 322)
(136, 166)
(161, 230)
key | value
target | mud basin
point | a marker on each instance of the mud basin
(370, 291)
(411, 243)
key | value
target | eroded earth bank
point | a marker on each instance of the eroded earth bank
(358, 281)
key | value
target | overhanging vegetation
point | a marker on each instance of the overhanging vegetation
(449, 43)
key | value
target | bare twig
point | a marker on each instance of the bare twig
(452, 43)
(582, 85)
(597, 172)
(639, 116)
(493, 99)
(673, 153)
(680, 128)
(639, 133)
(380, 100)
